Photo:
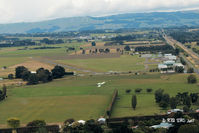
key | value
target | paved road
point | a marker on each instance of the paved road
(189, 64)
(194, 56)
(173, 42)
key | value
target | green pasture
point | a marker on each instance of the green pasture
(9, 61)
(80, 98)
(122, 63)
(15, 52)
(172, 84)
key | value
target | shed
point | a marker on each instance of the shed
(169, 62)
(162, 66)
(172, 57)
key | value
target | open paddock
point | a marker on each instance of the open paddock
(80, 98)
(114, 63)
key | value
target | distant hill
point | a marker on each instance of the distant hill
(129, 20)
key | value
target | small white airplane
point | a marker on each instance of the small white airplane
(100, 84)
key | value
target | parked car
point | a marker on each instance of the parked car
(174, 111)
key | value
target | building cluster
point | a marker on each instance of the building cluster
(169, 64)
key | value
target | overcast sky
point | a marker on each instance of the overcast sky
(37, 10)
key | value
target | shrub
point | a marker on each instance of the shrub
(186, 109)
(128, 90)
(190, 70)
(138, 90)
(36, 123)
(194, 97)
(13, 122)
(182, 61)
(10, 76)
(163, 104)
(149, 90)
(127, 48)
(33, 79)
(173, 102)
(93, 44)
(188, 128)
(191, 79)
(91, 126)
(25, 75)
(158, 95)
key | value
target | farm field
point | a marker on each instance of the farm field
(122, 63)
(172, 84)
(12, 63)
(13, 57)
(80, 98)
(61, 50)
(9, 61)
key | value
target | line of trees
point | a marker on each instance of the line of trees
(184, 36)
(185, 99)
(48, 41)
(195, 50)
(110, 107)
(27, 42)
(166, 48)
(41, 75)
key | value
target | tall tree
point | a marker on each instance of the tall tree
(44, 75)
(93, 44)
(25, 75)
(13, 122)
(33, 79)
(173, 102)
(127, 48)
(19, 70)
(134, 101)
(58, 72)
(158, 95)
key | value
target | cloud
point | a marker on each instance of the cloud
(37, 10)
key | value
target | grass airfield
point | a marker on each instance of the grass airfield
(80, 98)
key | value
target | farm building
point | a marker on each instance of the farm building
(33, 72)
(169, 65)
(170, 57)
(162, 67)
